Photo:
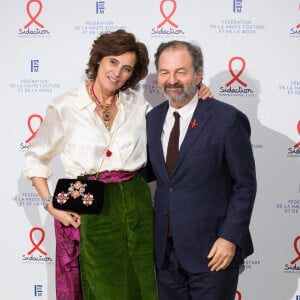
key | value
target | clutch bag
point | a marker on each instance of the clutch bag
(79, 195)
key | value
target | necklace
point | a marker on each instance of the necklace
(107, 108)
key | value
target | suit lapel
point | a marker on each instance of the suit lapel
(200, 117)
(157, 129)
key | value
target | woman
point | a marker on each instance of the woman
(100, 128)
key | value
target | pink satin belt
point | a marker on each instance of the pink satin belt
(112, 176)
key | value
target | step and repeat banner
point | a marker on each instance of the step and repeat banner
(251, 60)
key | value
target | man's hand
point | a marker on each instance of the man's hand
(221, 254)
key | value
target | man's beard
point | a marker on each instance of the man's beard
(179, 96)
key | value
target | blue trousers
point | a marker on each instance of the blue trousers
(175, 283)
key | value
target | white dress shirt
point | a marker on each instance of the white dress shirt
(73, 130)
(186, 113)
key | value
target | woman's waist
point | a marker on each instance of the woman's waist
(111, 176)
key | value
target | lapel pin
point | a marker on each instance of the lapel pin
(193, 123)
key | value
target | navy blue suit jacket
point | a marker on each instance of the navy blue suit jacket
(212, 191)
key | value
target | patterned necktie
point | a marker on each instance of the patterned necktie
(173, 146)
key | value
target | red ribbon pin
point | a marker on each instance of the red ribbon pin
(193, 123)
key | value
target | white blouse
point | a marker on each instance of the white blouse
(73, 130)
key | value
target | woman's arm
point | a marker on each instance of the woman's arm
(67, 218)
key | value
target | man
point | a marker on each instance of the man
(205, 193)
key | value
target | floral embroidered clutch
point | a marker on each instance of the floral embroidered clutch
(81, 196)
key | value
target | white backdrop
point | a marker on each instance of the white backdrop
(251, 53)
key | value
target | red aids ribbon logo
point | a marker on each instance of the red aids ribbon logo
(167, 18)
(34, 18)
(235, 77)
(193, 123)
(296, 249)
(36, 245)
(34, 132)
(239, 295)
(298, 128)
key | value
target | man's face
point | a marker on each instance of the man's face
(176, 78)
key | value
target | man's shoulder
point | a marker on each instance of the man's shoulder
(227, 113)
(221, 106)
(158, 109)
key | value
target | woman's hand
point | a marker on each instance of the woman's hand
(204, 92)
(67, 218)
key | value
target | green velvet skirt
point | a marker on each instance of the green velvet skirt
(116, 248)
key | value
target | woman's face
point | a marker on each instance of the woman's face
(114, 71)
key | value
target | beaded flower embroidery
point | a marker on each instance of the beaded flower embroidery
(76, 190)
(88, 199)
(62, 198)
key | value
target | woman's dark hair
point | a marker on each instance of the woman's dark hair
(117, 43)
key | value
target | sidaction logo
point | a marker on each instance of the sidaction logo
(167, 27)
(238, 295)
(295, 30)
(292, 267)
(33, 124)
(32, 131)
(34, 27)
(36, 254)
(295, 150)
(241, 87)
